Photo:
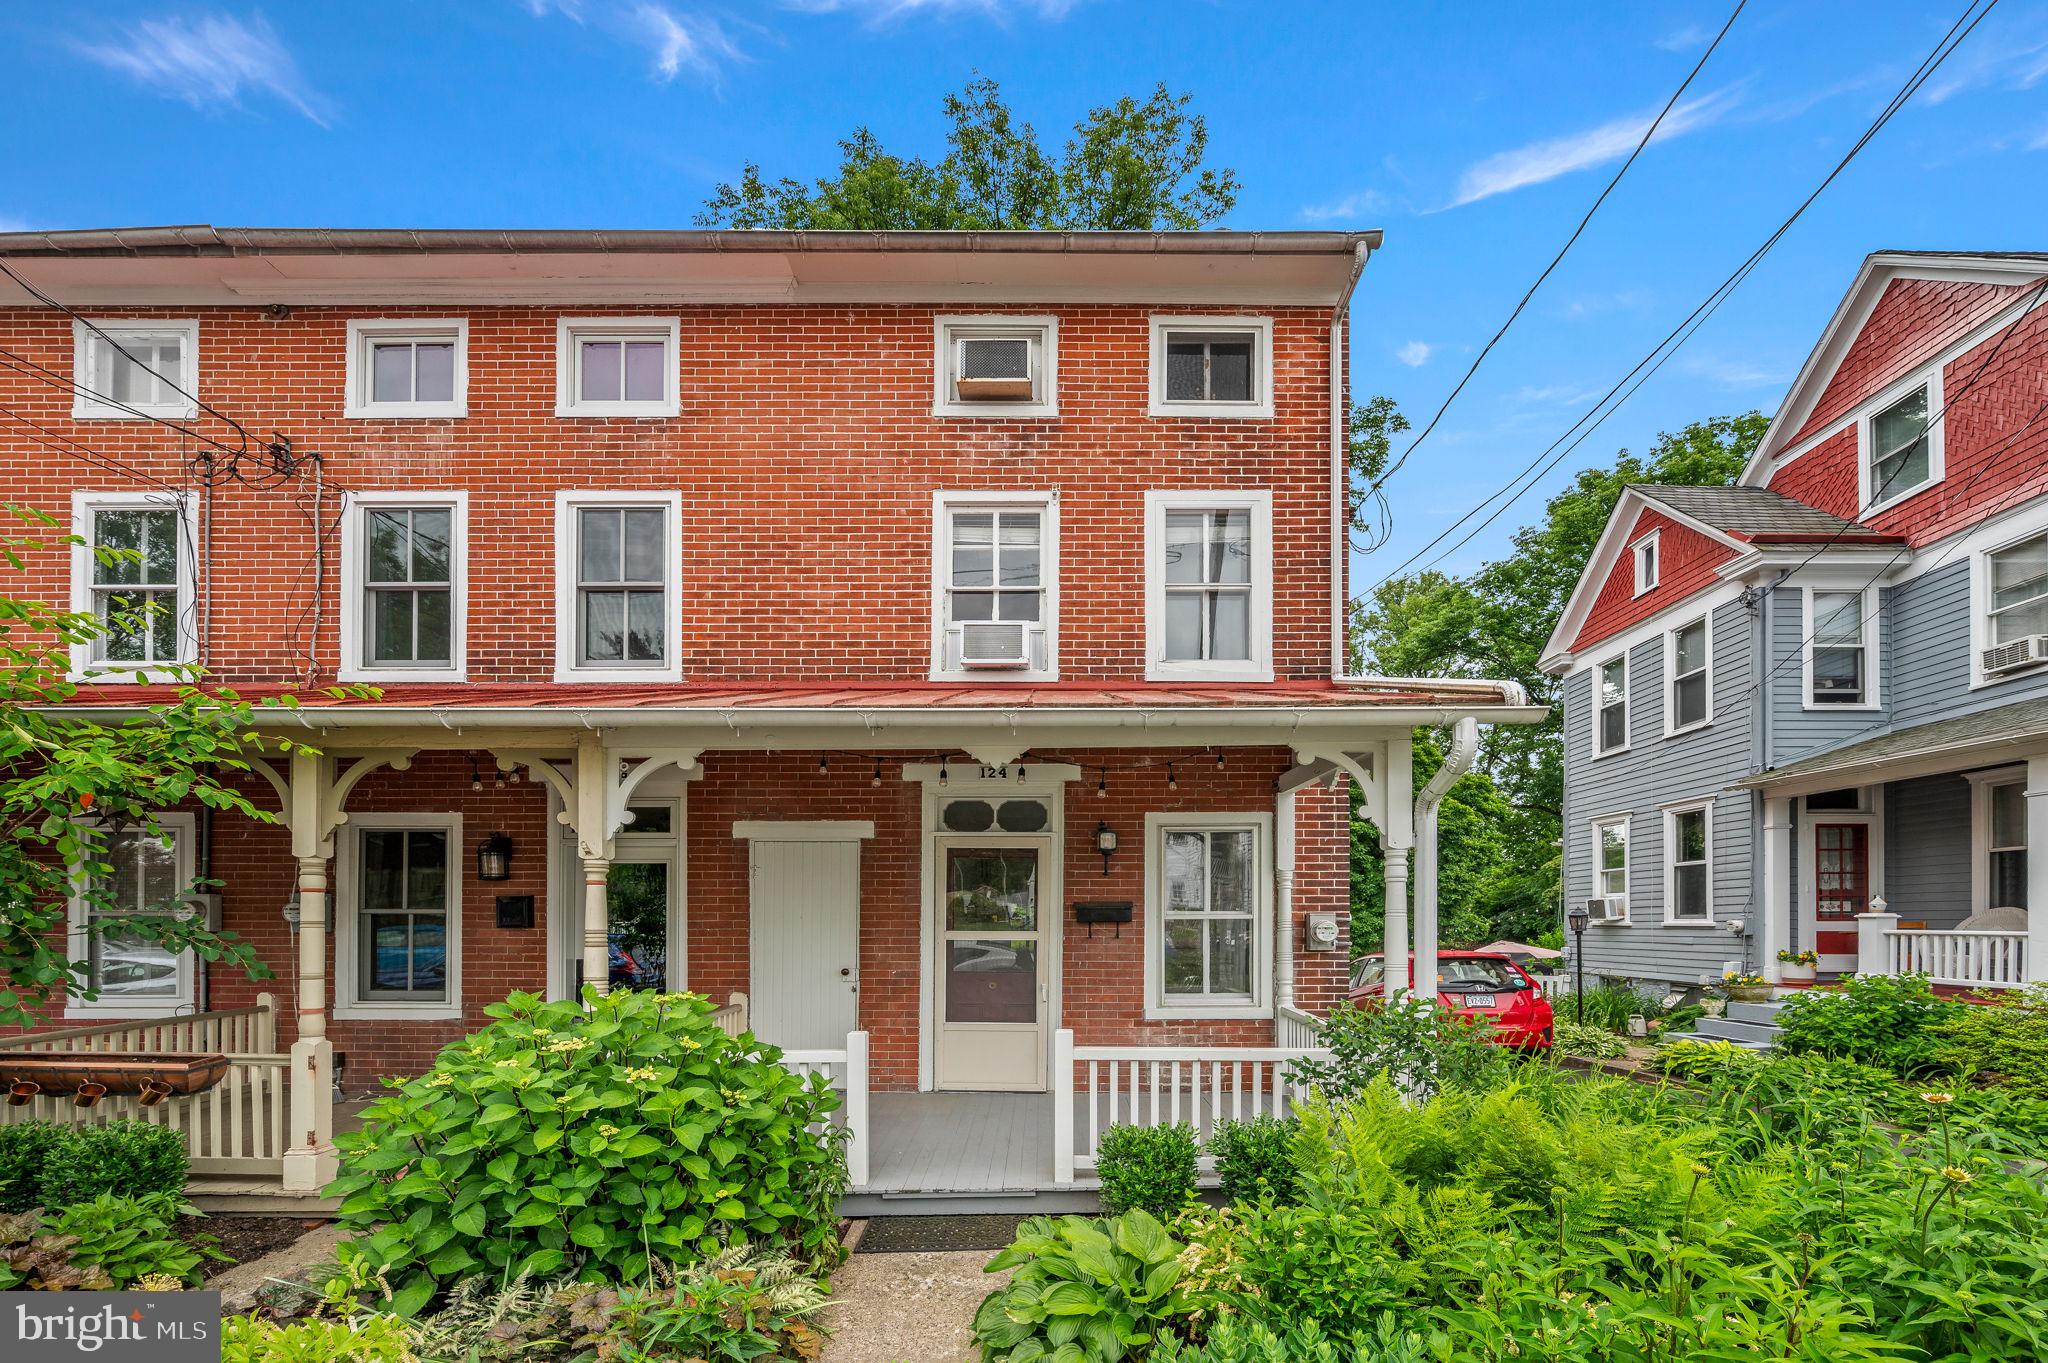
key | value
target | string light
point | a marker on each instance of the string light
(942, 772)
(1020, 773)
(821, 764)
(1219, 759)
(1172, 781)
(876, 779)
(1101, 782)
(476, 778)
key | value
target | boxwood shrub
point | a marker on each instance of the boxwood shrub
(126, 1158)
(564, 1139)
(24, 1153)
(1255, 1159)
(1152, 1168)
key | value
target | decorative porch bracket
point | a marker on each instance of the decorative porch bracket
(1388, 790)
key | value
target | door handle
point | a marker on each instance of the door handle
(845, 971)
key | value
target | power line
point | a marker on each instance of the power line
(78, 450)
(28, 368)
(1533, 473)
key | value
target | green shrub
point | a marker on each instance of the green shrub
(1609, 1006)
(368, 1338)
(1596, 1043)
(109, 1242)
(1152, 1167)
(127, 1159)
(25, 1149)
(1421, 1046)
(1084, 1291)
(1677, 1022)
(1255, 1159)
(562, 1136)
(1892, 1021)
(2007, 1039)
(1241, 1339)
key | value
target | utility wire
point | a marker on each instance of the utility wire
(78, 450)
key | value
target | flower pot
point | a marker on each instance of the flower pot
(1795, 974)
(93, 1074)
(1750, 993)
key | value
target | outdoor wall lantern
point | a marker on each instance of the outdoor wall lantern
(494, 858)
(1105, 843)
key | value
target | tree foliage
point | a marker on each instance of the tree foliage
(1129, 166)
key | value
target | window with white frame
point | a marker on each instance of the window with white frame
(2015, 609)
(1610, 706)
(398, 944)
(1838, 649)
(1646, 564)
(994, 579)
(131, 370)
(1690, 702)
(1212, 366)
(1901, 446)
(136, 876)
(132, 570)
(1206, 913)
(407, 368)
(1688, 873)
(617, 560)
(996, 366)
(403, 563)
(1610, 864)
(617, 366)
(2004, 839)
(1209, 585)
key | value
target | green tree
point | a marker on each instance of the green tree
(1129, 166)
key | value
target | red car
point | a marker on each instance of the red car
(1475, 984)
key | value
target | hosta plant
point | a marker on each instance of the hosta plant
(588, 1138)
(110, 1242)
(1084, 1291)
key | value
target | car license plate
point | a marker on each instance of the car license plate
(1479, 1000)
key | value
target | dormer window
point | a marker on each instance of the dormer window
(996, 366)
(1901, 443)
(1646, 564)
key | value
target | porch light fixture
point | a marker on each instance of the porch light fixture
(1105, 843)
(942, 773)
(1171, 782)
(876, 779)
(494, 858)
(1101, 782)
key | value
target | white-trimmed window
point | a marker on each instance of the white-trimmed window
(407, 367)
(1610, 864)
(1212, 367)
(1840, 658)
(1209, 585)
(618, 608)
(1688, 864)
(131, 370)
(398, 928)
(1610, 706)
(404, 604)
(1998, 829)
(1901, 443)
(1689, 692)
(134, 571)
(996, 366)
(995, 586)
(148, 877)
(1644, 552)
(2012, 607)
(1207, 914)
(617, 366)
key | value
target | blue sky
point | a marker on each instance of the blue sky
(1474, 134)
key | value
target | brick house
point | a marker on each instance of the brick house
(934, 639)
(1809, 712)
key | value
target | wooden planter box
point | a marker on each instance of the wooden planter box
(60, 1072)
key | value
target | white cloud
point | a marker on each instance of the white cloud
(1732, 372)
(2009, 66)
(883, 11)
(1415, 354)
(1350, 206)
(1557, 394)
(211, 60)
(1684, 39)
(683, 40)
(1538, 162)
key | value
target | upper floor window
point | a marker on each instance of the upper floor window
(1206, 915)
(996, 366)
(1646, 564)
(137, 875)
(1610, 867)
(408, 368)
(1690, 702)
(1902, 445)
(402, 564)
(2001, 815)
(2013, 590)
(127, 370)
(617, 566)
(1838, 649)
(1212, 366)
(133, 573)
(617, 366)
(1610, 706)
(1689, 881)
(994, 598)
(1209, 585)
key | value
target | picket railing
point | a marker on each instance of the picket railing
(1991, 960)
(847, 1071)
(1295, 1029)
(732, 1018)
(228, 1031)
(1159, 1085)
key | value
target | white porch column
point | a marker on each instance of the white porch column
(595, 778)
(1283, 905)
(1458, 759)
(1774, 931)
(1873, 950)
(1397, 835)
(309, 1158)
(2037, 869)
(597, 931)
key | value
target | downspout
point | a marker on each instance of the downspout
(1340, 519)
(1463, 752)
(1283, 910)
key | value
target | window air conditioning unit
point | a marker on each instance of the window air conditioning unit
(1606, 909)
(2019, 653)
(995, 643)
(994, 369)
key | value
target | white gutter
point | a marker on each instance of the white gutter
(1463, 752)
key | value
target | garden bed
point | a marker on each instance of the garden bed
(243, 1238)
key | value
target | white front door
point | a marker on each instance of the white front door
(804, 960)
(991, 966)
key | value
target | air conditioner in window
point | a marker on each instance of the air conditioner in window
(1611, 908)
(994, 369)
(998, 643)
(2019, 653)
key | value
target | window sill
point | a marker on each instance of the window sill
(1199, 672)
(1599, 753)
(1860, 708)
(994, 676)
(607, 410)
(131, 674)
(399, 411)
(1879, 508)
(998, 411)
(395, 675)
(92, 411)
(1694, 923)
(397, 1012)
(108, 1012)
(653, 676)
(1979, 682)
(1195, 1012)
(1691, 728)
(1210, 411)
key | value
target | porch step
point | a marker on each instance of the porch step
(1762, 1014)
(1762, 1034)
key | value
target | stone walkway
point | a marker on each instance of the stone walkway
(908, 1308)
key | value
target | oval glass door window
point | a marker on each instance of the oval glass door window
(969, 816)
(1021, 816)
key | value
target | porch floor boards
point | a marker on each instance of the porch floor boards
(939, 1144)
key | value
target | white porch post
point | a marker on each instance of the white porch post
(858, 1140)
(1873, 948)
(597, 956)
(2037, 869)
(1397, 835)
(594, 842)
(1774, 932)
(1063, 1106)
(1458, 759)
(309, 1158)
(1283, 909)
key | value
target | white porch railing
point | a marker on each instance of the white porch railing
(847, 1071)
(229, 1031)
(1157, 1085)
(1554, 986)
(1972, 959)
(732, 1018)
(1295, 1029)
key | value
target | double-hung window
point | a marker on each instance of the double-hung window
(399, 932)
(996, 366)
(1610, 706)
(617, 366)
(2013, 590)
(995, 586)
(617, 558)
(1212, 366)
(132, 570)
(1207, 915)
(1902, 444)
(1688, 873)
(403, 565)
(1841, 631)
(2002, 824)
(134, 370)
(135, 875)
(408, 368)
(1689, 702)
(1209, 586)
(1610, 865)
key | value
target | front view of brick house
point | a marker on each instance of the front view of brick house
(933, 638)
